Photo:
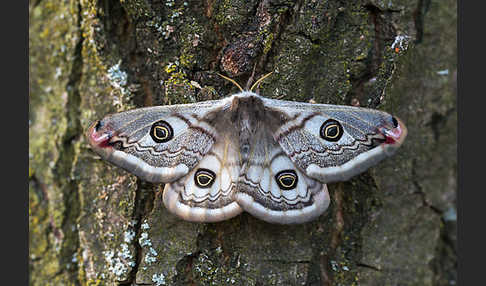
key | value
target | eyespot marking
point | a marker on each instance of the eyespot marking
(204, 178)
(98, 125)
(331, 130)
(161, 132)
(287, 179)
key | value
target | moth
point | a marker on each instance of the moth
(271, 158)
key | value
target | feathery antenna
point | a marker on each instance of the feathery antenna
(231, 80)
(252, 87)
(260, 80)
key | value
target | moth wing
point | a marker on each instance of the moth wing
(126, 139)
(331, 152)
(206, 193)
(261, 194)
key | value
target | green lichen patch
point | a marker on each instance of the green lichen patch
(178, 88)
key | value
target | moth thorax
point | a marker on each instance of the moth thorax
(247, 125)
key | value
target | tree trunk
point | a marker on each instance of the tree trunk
(94, 224)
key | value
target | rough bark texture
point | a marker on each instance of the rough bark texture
(93, 224)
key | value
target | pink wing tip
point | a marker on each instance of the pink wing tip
(99, 137)
(396, 135)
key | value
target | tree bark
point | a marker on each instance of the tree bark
(94, 224)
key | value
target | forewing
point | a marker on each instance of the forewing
(127, 139)
(333, 143)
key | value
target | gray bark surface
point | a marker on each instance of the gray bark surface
(91, 223)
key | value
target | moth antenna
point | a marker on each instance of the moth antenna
(231, 80)
(260, 80)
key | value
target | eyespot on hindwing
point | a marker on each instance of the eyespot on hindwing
(286, 179)
(204, 178)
